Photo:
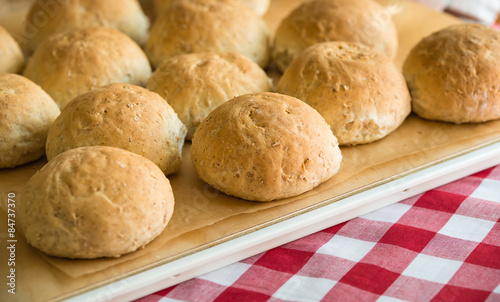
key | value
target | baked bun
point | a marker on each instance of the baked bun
(74, 62)
(208, 26)
(258, 6)
(264, 146)
(123, 116)
(11, 55)
(360, 21)
(95, 202)
(26, 113)
(454, 74)
(195, 84)
(357, 89)
(61, 16)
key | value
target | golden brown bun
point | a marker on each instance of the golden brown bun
(264, 146)
(26, 113)
(11, 55)
(361, 21)
(123, 116)
(75, 62)
(46, 18)
(258, 6)
(95, 202)
(195, 84)
(357, 89)
(208, 26)
(454, 74)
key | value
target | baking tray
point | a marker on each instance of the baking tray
(210, 230)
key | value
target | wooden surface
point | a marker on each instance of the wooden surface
(204, 217)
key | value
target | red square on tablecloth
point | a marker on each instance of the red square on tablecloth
(485, 173)
(369, 277)
(455, 293)
(478, 208)
(413, 289)
(494, 173)
(284, 260)
(449, 248)
(326, 266)
(426, 219)
(477, 277)
(238, 294)
(411, 238)
(261, 279)
(493, 236)
(195, 288)
(346, 293)
(364, 229)
(155, 297)
(440, 201)
(485, 255)
(391, 257)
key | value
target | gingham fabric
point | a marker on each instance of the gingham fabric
(442, 245)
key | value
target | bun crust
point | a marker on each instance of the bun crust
(263, 147)
(357, 89)
(74, 62)
(26, 113)
(12, 58)
(95, 202)
(123, 15)
(208, 26)
(360, 21)
(453, 75)
(258, 6)
(123, 116)
(195, 84)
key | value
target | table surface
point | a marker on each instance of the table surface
(443, 244)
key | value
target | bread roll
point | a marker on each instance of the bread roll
(95, 202)
(123, 116)
(454, 74)
(46, 18)
(258, 6)
(11, 55)
(361, 21)
(264, 146)
(357, 89)
(195, 84)
(74, 62)
(26, 113)
(208, 26)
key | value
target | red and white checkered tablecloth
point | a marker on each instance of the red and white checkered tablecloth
(442, 245)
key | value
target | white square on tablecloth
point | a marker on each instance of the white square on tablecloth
(489, 189)
(347, 248)
(432, 269)
(467, 228)
(497, 289)
(389, 299)
(390, 213)
(226, 275)
(302, 288)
